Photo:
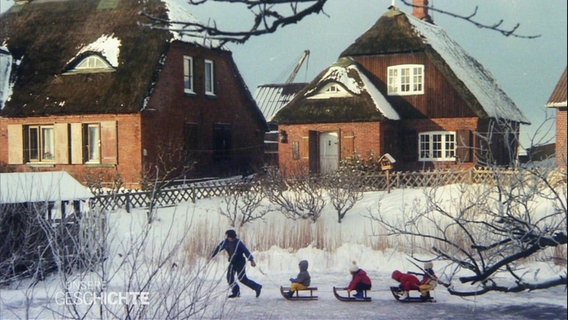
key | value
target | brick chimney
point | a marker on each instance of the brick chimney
(420, 10)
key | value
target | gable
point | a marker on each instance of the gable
(398, 33)
(558, 97)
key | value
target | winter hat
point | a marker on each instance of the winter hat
(428, 265)
(231, 234)
(354, 268)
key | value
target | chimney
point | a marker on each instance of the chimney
(420, 10)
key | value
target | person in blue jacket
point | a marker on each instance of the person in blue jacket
(238, 255)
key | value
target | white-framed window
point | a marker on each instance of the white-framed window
(91, 64)
(209, 77)
(92, 143)
(437, 146)
(405, 79)
(40, 143)
(188, 74)
(331, 90)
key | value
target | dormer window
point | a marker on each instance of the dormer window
(91, 64)
(405, 79)
(331, 90)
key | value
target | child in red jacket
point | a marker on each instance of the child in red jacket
(359, 282)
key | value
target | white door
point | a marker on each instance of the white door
(329, 152)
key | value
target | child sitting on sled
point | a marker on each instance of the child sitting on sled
(302, 280)
(409, 281)
(429, 280)
(359, 282)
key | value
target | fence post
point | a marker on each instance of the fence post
(127, 200)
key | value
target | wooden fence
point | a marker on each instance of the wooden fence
(173, 195)
(168, 196)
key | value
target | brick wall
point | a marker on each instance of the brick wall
(561, 140)
(128, 162)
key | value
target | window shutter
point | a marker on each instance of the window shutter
(15, 144)
(61, 143)
(463, 145)
(77, 143)
(109, 141)
(304, 148)
(347, 144)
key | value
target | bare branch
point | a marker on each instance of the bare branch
(470, 19)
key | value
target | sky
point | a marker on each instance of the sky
(526, 69)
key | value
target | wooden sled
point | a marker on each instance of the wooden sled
(402, 296)
(349, 297)
(296, 296)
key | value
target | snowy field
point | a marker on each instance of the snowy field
(200, 225)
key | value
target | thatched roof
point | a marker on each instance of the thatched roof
(397, 32)
(362, 102)
(47, 38)
(558, 97)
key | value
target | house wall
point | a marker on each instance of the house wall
(466, 144)
(170, 109)
(440, 99)
(354, 138)
(121, 157)
(561, 137)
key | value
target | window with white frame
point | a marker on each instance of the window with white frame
(92, 136)
(40, 143)
(437, 146)
(91, 64)
(405, 79)
(188, 74)
(209, 77)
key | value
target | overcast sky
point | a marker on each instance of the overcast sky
(527, 70)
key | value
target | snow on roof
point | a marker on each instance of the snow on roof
(107, 46)
(5, 70)
(380, 101)
(478, 80)
(179, 11)
(23, 187)
(339, 73)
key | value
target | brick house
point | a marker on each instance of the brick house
(403, 88)
(557, 100)
(95, 93)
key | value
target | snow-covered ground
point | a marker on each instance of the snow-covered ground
(189, 227)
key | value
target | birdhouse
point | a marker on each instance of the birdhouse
(386, 161)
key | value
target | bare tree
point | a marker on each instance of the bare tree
(345, 191)
(485, 231)
(243, 204)
(267, 16)
(296, 197)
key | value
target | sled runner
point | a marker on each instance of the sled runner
(402, 296)
(349, 297)
(296, 296)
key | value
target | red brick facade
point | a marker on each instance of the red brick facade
(126, 165)
(561, 139)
